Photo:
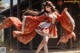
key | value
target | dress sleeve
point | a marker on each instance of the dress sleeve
(68, 25)
(37, 18)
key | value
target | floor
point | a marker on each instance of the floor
(50, 51)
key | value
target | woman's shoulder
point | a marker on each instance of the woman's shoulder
(54, 13)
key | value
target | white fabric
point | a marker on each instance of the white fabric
(44, 25)
(23, 23)
(45, 32)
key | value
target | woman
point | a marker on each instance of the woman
(48, 28)
(32, 24)
(24, 34)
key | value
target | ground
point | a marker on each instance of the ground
(50, 51)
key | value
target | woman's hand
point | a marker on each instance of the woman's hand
(65, 9)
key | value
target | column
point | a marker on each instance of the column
(18, 15)
(11, 14)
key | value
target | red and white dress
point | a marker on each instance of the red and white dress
(35, 24)
(48, 28)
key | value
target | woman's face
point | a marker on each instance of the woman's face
(48, 8)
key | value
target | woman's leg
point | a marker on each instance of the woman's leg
(40, 46)
(43, 43)
(46, 48)
(46, 38)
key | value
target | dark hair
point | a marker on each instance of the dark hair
(30, 12)
(47, 4)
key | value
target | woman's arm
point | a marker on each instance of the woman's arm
(36, 18)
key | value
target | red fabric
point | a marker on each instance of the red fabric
(68, 25)
(16, 22)
(25, 38)
(53, 30)
(32, 22)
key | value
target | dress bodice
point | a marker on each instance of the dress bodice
(52, 17)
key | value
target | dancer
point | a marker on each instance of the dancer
(48, 28)
(32, 24)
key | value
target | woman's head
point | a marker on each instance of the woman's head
(48, 7)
